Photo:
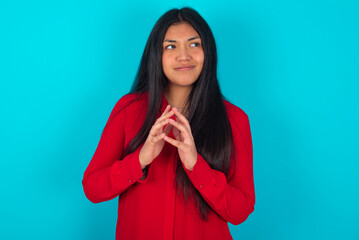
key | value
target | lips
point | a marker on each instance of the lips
(184, 68)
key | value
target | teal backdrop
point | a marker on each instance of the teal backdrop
(292, 66)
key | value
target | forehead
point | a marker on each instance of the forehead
(180, 31)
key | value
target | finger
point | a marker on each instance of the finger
(165, 112)
(181, 118)
(165, 116)
(183, 129)
(160, 121)
(158, 138)
(158, 126)
(172, 141)
(167, 109)
(177, 134)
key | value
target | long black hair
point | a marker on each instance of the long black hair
(206, 111)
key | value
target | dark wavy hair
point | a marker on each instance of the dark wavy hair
(205, 108)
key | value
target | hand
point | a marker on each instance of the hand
(184, 140)
(154, 142)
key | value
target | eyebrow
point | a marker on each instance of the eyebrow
(189, 39)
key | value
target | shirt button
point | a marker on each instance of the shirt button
(130, 180)
(200, 186)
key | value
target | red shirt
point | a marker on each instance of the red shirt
(150, 208)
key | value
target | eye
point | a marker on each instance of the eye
(170, 47)
(195, 44)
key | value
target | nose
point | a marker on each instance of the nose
(183, 54)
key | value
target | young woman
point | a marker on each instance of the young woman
(176, 153)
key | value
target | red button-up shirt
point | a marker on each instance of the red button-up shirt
(150, 208)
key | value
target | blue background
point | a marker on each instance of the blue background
(291, 65)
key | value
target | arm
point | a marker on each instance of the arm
(106, 176)
(233, 200)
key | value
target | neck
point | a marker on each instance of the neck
(177, 96)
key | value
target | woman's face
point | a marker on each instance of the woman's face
(182, 57)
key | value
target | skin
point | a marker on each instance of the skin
(182, 61)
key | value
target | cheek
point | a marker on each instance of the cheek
(166, 66)
(165, 61)
(200, 57)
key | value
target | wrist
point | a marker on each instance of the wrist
(190, 167)
(142, 164)
(140, 158)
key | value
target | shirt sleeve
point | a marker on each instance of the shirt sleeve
(232, 199)
(106, 175)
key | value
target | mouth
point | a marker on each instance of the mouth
(184, 68)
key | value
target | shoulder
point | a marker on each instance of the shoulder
(129, 102)
(237, 117)
(233, 111)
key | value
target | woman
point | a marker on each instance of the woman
(175, 152)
